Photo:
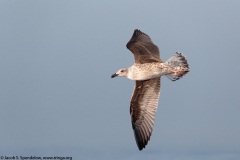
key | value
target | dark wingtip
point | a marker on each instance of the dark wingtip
(136, 33)
(137, 30)
(141, 146)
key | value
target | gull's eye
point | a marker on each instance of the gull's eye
(121, 70)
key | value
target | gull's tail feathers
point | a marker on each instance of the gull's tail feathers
(177, 66)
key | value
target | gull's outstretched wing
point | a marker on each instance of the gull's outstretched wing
(143, 49)
(143, 107)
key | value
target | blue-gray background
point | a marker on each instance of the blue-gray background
(57, 97)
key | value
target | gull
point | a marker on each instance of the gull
(147, 71)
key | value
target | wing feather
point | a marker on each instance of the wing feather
(143, 49)
(143, 107)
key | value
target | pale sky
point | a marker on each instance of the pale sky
(57, 97)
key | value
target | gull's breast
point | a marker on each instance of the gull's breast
(146, 71)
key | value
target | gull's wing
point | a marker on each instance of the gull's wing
(143, 49)
(143, 107)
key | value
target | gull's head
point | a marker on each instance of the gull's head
(121, 72)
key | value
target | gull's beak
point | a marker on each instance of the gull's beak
(114, 75)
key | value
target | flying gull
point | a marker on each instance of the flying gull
(147, 71)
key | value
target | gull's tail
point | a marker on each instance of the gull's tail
(177, 66)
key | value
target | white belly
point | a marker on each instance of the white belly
(145, 71)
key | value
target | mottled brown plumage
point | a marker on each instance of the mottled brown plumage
(143, 107)
(143, 49)
(147, 71)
